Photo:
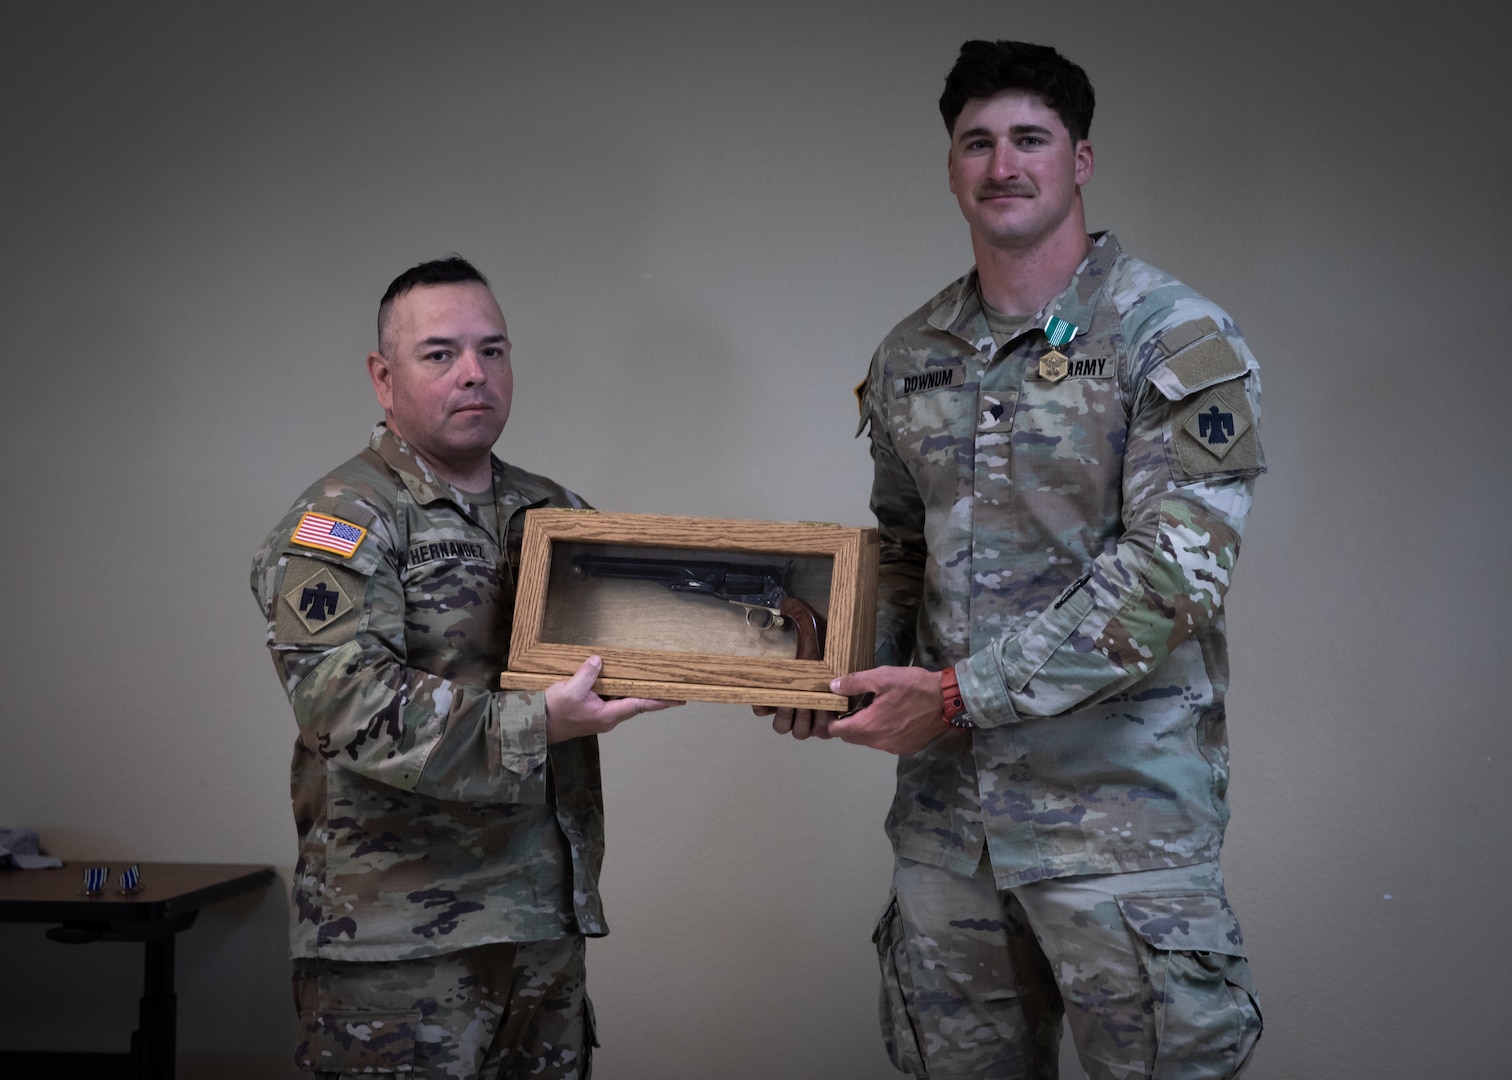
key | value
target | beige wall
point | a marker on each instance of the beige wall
(700, 220)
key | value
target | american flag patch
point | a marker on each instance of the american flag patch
(328, 534)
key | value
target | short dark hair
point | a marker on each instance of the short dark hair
(454, 268)
(987, 68)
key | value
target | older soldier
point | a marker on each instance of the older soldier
(1065, 448)
(450, 835)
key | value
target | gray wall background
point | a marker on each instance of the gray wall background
(700, 218)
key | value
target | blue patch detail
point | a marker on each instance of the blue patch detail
(1216, 426)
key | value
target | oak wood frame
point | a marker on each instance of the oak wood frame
(534, 664)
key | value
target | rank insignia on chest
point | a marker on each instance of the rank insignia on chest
(1053, 366)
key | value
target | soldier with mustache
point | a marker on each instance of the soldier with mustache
(1065, 446)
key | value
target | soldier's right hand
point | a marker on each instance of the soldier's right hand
(573, 709)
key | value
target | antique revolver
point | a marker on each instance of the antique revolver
(758, 588)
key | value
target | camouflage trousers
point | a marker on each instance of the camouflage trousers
(494, 1012)
(1146, 968)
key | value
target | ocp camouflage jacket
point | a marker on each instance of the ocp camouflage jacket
(1064, 537)
(431, 813)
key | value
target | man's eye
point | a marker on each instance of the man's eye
(439, 356)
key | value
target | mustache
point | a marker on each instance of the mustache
(990, 189)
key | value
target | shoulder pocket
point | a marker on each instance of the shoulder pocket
(1213, 429)
(338, 531)
(1197, 364)
(1213, 433)
(316, 602)
(863, 404)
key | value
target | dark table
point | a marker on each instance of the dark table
(171, 896)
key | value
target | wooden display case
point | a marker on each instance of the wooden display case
(688, 608)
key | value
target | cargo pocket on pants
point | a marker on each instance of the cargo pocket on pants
(351, 1042)
(897, 1010)
(1207, 1018)
(590, 1036)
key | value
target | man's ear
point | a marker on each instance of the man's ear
(1083, 162)
(382, 375)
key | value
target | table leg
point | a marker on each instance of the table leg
(157, 1035)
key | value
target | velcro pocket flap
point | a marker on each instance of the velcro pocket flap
(1196, 922)
(1207, 363)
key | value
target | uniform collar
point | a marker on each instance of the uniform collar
(513, 488)
(410, 467)
(959, 309)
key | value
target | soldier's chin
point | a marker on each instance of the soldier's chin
(478, 436)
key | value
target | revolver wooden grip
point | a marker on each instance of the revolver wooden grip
(809, 625)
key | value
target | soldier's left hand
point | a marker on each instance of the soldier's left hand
(573, 709)
(905, 715)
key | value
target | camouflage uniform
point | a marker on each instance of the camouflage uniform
(1065, 543)
(432, 816)
(501, 1011)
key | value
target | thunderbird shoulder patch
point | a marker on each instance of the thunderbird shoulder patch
(328, 533)
(317, 602)
(1215, 432)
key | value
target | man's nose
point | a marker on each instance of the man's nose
(1004, 161)
(470, 369)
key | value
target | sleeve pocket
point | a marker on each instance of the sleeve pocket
(1045, 635)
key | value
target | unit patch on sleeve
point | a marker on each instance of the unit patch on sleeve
(316, 603)
(328, 534)
(1215, 431)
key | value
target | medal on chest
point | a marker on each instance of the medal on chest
(1053, 365)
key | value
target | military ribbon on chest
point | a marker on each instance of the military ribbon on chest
(1052, 365)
